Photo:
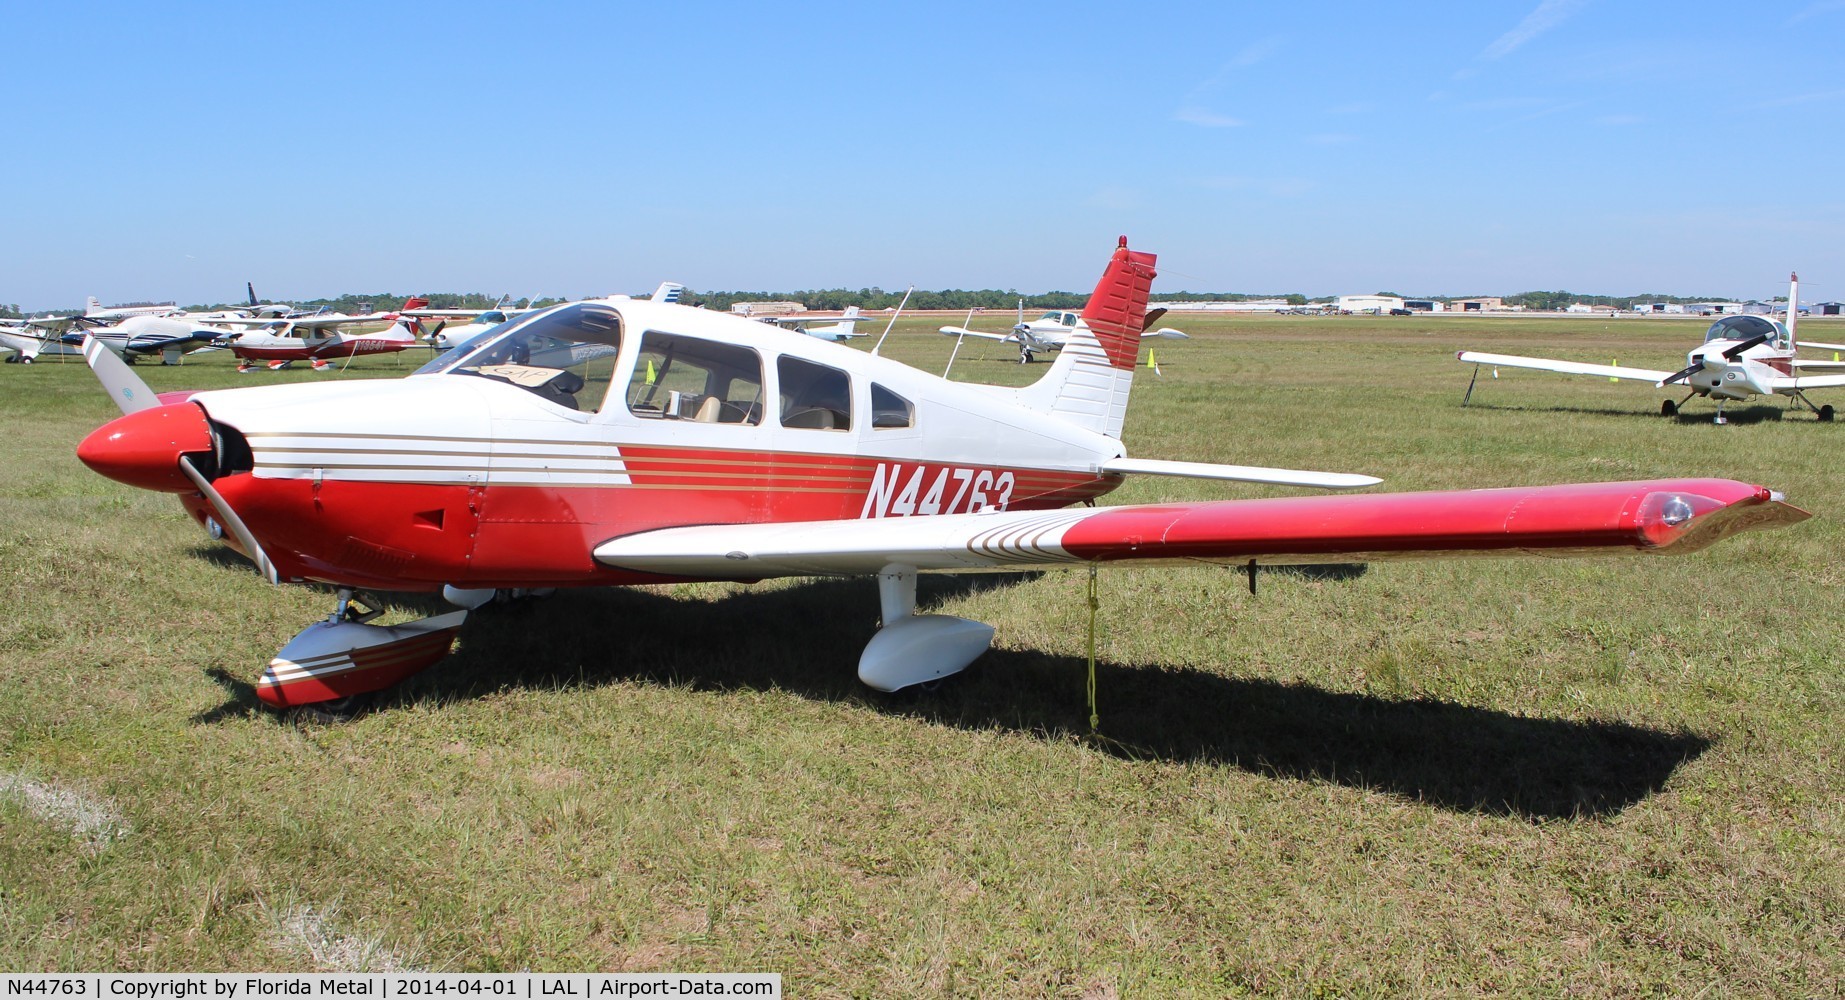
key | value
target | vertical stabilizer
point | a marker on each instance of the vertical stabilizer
(1793, 309)
(1088, 383)
(250, 286)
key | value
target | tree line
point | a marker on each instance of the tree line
(873, 299)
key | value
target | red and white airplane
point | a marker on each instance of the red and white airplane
(1741, 357)
(319, 339)
(622, 441)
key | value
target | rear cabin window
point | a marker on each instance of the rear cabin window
(685, 378)
(814, 397)
(889, 409)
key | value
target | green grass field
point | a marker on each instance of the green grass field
(1613, 777)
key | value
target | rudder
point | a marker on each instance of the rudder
(1089, 382)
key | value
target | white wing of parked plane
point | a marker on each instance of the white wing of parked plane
(1564, 367)
(1816, 345)
(1168, 333)
(960, 331)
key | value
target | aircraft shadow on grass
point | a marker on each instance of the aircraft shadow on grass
(806, 639)
(1757, 414)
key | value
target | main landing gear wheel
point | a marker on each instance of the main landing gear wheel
(1024, 355)
(1668, 409)
(1826, 413)
(331, 713)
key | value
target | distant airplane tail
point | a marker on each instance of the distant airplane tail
(250, 286)
(415, 302)
(92, 305)
(1088, 384)
(669, 291)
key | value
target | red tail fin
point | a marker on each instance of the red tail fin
(416, 302)
(1118, 307)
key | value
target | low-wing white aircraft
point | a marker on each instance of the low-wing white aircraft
(623, 441)
(1741, 357)
(1051, 331)
(95, 310)
(843, 329)
(132, 338)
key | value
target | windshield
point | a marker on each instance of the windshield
(565, 356)
(1745, 328)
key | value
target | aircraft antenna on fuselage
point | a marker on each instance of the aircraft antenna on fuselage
(893, 321)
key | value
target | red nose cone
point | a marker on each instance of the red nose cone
(143, 448)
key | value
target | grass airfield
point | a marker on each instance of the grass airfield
(1605, 777)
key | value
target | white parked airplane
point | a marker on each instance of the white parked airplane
(95, 310)
(845, 328)
(1742, 356)
(1051, 331)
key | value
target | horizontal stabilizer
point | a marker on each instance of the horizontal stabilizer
(1239, 473)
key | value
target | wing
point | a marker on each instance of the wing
(1809, 382)
(1566, 367)
(1166, 333)
(1802, 363)
(959, 331)
(1816, 345)
(1677, 515)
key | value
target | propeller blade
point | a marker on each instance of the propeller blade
(1736, 352)
(120, 381)
(230, 520)
(1680, 376)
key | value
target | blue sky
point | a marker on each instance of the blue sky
(573, 149)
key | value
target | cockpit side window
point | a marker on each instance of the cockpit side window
(566, 356)
(814, 397)
(685, 378)
(889, 409)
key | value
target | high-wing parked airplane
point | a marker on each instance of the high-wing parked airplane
(320, 340)
(1741, 357)
(1051, 331)
(27, 343)
(623, 441)
(845, 328)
